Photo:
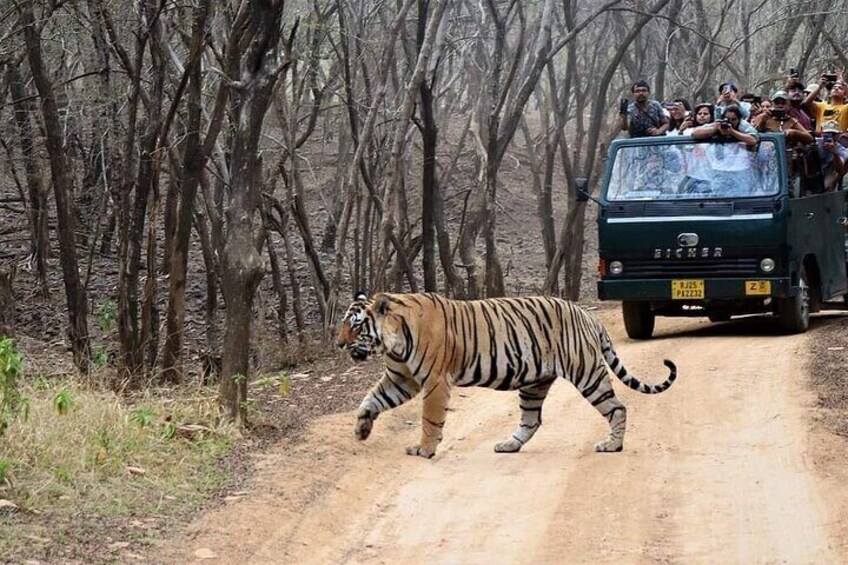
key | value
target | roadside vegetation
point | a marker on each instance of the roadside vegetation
(77, 463)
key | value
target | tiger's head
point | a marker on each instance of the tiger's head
(368, 328)
(358, 332)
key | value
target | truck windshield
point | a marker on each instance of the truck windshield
(693, 171)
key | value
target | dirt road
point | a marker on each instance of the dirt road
(725, 467)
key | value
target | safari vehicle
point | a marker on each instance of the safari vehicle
(714, 229)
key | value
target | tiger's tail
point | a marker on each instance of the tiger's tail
(620, 370)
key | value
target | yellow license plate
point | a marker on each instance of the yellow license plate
(758, 288)
(687, 289)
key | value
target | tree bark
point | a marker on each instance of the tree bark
(242, 264)
(193, 163)
(75, 294)
(39, 233)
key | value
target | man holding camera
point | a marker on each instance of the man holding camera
(730, 127)
(777, 120)
(835, 108)
(642, 117)
(730, 162)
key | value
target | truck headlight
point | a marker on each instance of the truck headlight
(767, 265)
(615, 267)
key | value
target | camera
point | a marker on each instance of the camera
(830, 79)
(622, 105)
(793, 72)
(723, 124)
(778, 113)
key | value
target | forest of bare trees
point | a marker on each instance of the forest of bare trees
(316, 147)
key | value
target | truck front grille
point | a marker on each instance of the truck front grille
(689, 268)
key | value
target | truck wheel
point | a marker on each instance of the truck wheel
(794, 313)
(638, 319)
(719, 317)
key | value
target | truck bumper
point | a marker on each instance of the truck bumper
(714, 289)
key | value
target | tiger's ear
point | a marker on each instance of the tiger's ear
(381, 305)
(360, 297)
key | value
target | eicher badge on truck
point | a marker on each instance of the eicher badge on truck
(688, 253)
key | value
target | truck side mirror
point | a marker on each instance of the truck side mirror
(582, 186)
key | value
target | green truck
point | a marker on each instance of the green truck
(715, 229)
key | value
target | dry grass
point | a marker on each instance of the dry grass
(78, 475)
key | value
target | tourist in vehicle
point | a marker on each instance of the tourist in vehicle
(754, 100)
(778, 120)
(834, 156)
(795, 93)
(727, 96)
(642, 117)
(703, 114)
(730, 162)
(835, 108)
(678, 109)
(731, 126)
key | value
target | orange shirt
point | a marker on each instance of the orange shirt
(824, 112)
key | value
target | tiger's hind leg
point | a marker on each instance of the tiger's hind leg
(598, 391)
(530, 400)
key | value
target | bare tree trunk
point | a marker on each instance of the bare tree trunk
(429, 187)
(211, 267)
(39, 234)
(146, 187)
(127, 291)
(242, 264)
(193, 164)
(75, 294)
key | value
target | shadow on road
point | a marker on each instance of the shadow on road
(747, 326)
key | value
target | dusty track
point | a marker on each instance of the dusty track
(725, 467)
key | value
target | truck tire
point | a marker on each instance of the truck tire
(793, 313)
(716, 317)
(638, 319)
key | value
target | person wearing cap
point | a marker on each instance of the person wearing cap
(777, 120)
(727, 96)
(834, 109)
(834, 156)
(678, 110)
(795, 93)
(642, 117)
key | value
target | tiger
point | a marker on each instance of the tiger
(431, 343)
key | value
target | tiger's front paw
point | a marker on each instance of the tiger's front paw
(421, 451)
(364, 424)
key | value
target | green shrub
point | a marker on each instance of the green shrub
(12, 404)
